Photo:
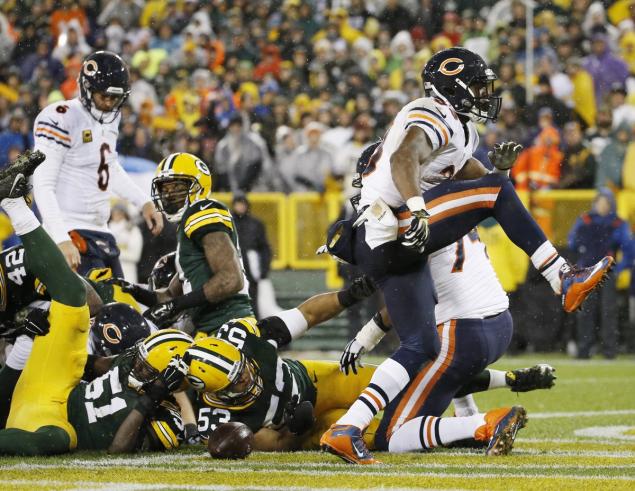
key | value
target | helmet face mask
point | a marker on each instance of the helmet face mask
(181, 179)
(462, 79)
(106, 74)
(245, 389)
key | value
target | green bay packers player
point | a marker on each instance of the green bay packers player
(240, 376)
(211, 281)
(50, 410)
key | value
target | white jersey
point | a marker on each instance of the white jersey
(74, 185)
(465, 281)
(452, 145)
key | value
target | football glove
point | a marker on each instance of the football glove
(361, 288)
(162, 314)
(351, 357)
(504, 155)
(299, 416)
(140, 294)
(36, 323)
(192, 435)
(168, 381)
(417, 234)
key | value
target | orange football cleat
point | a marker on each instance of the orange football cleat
(347, 443)
(500, 428)
(577, 283)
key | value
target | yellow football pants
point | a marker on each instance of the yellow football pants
(54, 368)
(336, 392)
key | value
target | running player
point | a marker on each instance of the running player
(428, 150)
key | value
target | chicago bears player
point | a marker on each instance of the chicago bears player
(73, 187)
(421, 191)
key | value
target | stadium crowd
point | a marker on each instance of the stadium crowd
(265, 91)
(282, 95)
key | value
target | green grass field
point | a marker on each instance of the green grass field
(580, 435)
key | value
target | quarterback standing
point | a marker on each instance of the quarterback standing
(73, 187)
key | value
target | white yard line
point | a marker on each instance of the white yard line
(580, 414)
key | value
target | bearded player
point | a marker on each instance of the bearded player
(73, 187)
(421, 191)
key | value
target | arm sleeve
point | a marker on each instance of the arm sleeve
(44, 191)
(432, 123)
(124, 187)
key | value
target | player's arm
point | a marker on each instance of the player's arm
(365, 341)
(473, 169)
(94, 301)
(222, 258)
(405, 167)
(292, 324)
(52, 137)
(269, 440)
(96, 366)
(126, 437)
(124, 187)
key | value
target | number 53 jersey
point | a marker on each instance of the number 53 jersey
(81, 170)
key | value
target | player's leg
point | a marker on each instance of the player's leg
(57, 360)
(458, 206)
(410, 299)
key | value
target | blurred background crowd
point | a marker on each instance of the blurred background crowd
(282, 95)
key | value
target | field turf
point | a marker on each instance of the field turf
(580, 435)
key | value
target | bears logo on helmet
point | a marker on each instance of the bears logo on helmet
(115, 328)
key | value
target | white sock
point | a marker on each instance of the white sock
(388, 380)
(548, 262)
(295, 322)
(20, 353)
(465, 406)
(496, 379)
(429, 432)
(22, 218)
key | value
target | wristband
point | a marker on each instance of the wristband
(192, 299)
(370, 335)
(416, 203)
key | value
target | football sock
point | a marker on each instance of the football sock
(549, 263)
(294, 321)
(497, 379)
(429, 432)
(8, 380)
(45, 261)
(465, 406)
(22, 218)
(388, 380)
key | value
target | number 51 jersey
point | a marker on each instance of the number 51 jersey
(81, 165)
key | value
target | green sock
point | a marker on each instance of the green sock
(47, 440)
(45, 261)
(8, 380)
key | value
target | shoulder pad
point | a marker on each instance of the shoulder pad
(207, 213)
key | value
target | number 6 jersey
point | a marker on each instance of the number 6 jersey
(73, 186)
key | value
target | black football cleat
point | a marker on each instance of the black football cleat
(14, 179)
(539, 376)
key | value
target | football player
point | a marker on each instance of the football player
(421, 191)
(211, 284)
(240, 376)
(73, 187)
(51, 410)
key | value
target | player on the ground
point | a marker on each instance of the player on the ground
(428, 150)
(73, 187)
(51, 410)
(241, 377)
(211, 284)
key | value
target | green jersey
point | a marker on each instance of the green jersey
(203, 217)
(96, 409)
(282, 379)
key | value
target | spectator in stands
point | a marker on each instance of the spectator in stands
(17, 136)
(508, 86)
(545, 99)
(41, 62)
(605, 68)
(254, 245)
(396, 17)
(600, 135)
(611, 160)
(7, 39)
(71, 43)
(510, 126)
(129, 240)
(311, 164)
(583, 97)
(578, 165)
(538, 167)
(595, 234)
(126, 11)
(238, 158)
(623, 112)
